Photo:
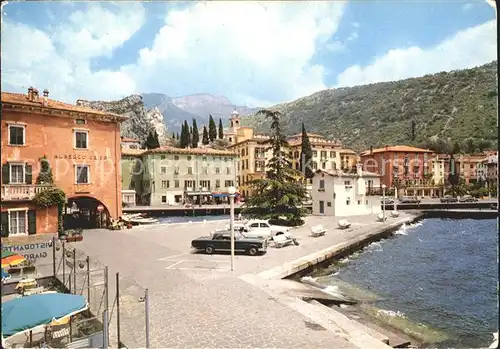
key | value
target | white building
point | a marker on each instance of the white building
(336, 193)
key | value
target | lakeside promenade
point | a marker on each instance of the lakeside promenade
(196, 301)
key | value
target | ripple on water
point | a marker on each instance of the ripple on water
(442, 273)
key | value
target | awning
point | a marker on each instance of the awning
(196, 193)
(223, 195)
(27, 313)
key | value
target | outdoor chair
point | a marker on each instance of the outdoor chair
(282, 240)
(317, 231)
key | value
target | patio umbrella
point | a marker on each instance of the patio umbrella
(10, 258)
(5, 275)
(31, 312)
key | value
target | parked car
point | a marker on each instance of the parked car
(257, 228)
(388, 201)
(467, 198)
(448, 199)
(221, 241)
(409, 200)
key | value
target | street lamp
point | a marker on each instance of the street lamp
(383, 198)
(232, 192)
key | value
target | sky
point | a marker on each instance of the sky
(254, 53)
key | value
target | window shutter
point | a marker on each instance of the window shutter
(28, 173)
(5, 224)
(31, 222)
(5, 173)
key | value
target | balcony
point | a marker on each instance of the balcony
(18, 192)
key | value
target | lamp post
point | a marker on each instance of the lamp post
(232, 192)
(383, 206)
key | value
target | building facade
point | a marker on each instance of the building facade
(130, 143)
(491, 164)
(327, 154)
(407, 169)
(336, 193)
(174, 176)
(82, 148)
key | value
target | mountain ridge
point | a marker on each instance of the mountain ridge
(457, 105)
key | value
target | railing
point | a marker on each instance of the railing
(22, 191)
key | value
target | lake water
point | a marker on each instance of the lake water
(186, 219)
(441, 273)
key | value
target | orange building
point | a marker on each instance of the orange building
(82, 147)
(404, 167)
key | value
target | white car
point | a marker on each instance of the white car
(262, 228)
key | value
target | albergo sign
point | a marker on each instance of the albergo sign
(80, 157)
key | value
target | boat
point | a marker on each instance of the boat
(143, 220)
(126, 217)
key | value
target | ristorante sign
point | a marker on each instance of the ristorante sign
(80, 157)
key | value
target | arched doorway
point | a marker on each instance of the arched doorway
(86, 213)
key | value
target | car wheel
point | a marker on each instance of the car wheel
(209, 249)
(252, 251)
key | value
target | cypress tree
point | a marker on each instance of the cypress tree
(205, 139)
(306, 155)
(156, 140)
(184, 136)
(177, 136)
(196, 135)
(221, 130)
(150, 141)
(188, 133)
(212, 129)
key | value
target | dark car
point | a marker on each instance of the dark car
(468, 198)
(221, 241)
(409, 200)
(448, 198)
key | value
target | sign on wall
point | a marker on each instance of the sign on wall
(39, 252)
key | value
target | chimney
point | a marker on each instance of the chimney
(30, 93)
(35, 95)
(359, 169)
(371, 150)
(45, 97)
(386, 147)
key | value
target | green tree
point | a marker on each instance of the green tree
(188, 134)
(205, 140)
(152, 140)
(45, 175)
(195, 138)
(156, 140)
(177, 136)
(221, 130)
(306, 155)
(279, 196)
(184, 141)
(212, 129)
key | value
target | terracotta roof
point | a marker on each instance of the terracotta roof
(309, 134)
(397, 148)
(134, 152)
(22, 100)
(254, 139)
(125, 139)
(194, 151)
(353, 173)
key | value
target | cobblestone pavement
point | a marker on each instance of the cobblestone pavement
(196, 301)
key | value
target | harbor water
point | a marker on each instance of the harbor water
(437, 278)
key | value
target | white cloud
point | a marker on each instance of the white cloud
(60, 60)
(468, 48)
(355, 24)
(335, 46)
(245, 50)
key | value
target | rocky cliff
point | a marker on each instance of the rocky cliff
(141, 121)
